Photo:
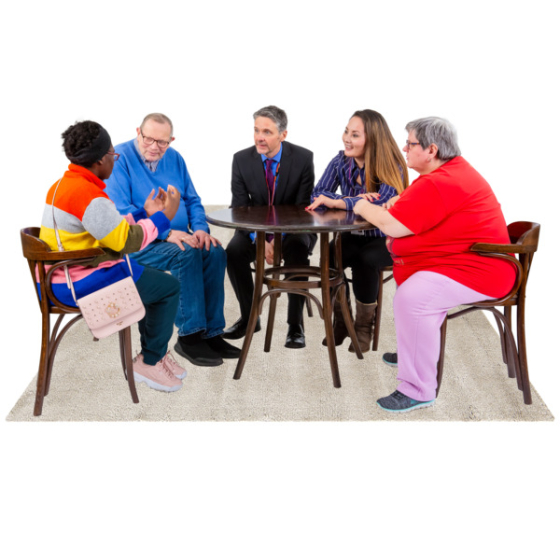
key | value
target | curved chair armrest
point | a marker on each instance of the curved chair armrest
(502, 248)
(504, 257)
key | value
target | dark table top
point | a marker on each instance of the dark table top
(287, 219)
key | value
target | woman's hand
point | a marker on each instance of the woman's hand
(323, 200)
(391, 202)
(370, 196)
(173, 199)
(155, 203)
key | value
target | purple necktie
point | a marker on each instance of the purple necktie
(270, 180)
(270, 184)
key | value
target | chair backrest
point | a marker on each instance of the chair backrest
(38, 253)
(524, 237)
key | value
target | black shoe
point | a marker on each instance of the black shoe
(239, 328)
(224, 349)
(296, 337)
(197, 351)
(390, 358)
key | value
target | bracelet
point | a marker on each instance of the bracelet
(168, 235)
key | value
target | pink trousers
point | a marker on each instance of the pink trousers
(420, 305)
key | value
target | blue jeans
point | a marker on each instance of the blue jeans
(201, 275)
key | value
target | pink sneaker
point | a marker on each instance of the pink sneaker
(171, 364)
(156, 377)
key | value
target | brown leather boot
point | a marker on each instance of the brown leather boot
(365, 313)
(339, 326)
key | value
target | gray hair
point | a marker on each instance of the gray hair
(159, 118)
(438, 131)
(274, 114)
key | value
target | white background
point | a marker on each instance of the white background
(276, 490)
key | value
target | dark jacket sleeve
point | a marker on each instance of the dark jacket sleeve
(307, 180)
(239, 192)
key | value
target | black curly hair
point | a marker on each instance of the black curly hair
(85, 143)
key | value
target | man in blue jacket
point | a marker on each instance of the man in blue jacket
(187, 250)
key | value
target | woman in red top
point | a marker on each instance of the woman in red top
(430, 228)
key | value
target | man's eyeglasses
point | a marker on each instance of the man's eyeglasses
(411, 144)
(115, 155)
(148, 140)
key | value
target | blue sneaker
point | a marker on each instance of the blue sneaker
(397, 402)
(390, 358)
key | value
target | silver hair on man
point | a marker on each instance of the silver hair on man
(278, 116)
(438, 131)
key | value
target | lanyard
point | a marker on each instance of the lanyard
(271, 194)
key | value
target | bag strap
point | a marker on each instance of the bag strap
(61, 248)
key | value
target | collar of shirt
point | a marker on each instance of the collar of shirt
(353, 171)
(275, 160)
(151, 165)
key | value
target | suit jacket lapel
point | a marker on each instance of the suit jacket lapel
(259, 178)
(284, 174)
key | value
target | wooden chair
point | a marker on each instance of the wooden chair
(38, 255)
(524, 238)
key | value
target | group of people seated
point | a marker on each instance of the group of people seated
(138, 198)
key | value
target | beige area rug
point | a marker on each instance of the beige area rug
(284, 384)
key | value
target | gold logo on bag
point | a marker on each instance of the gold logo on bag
(112, 310)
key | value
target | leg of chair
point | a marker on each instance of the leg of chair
(441, 354)
(43, 364)
(125, 345)
(55, 340)
(253, 316)
(273, 298)
(377, 319)
(522, 352)
(309, 308)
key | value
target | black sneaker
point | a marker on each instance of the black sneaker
(390, 358)
(397, 402)
(224, 349)
(197, 351)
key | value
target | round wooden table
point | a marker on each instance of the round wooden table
(330, 280)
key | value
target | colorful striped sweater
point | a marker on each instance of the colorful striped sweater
(86, 218)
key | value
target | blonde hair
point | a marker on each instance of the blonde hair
(159, 118)
(384, 161)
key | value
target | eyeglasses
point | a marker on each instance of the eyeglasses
(411, 144)
(148, 140)
(115, 155)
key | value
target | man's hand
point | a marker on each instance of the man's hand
(173, 199)
(269, 252)
(180, 237)
(155, 203)
(205, 239)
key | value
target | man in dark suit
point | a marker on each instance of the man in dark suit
(272, 172)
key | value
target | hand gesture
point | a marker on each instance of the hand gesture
(173, 199)
(155, 203)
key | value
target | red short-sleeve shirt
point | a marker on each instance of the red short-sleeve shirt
(449, 210)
